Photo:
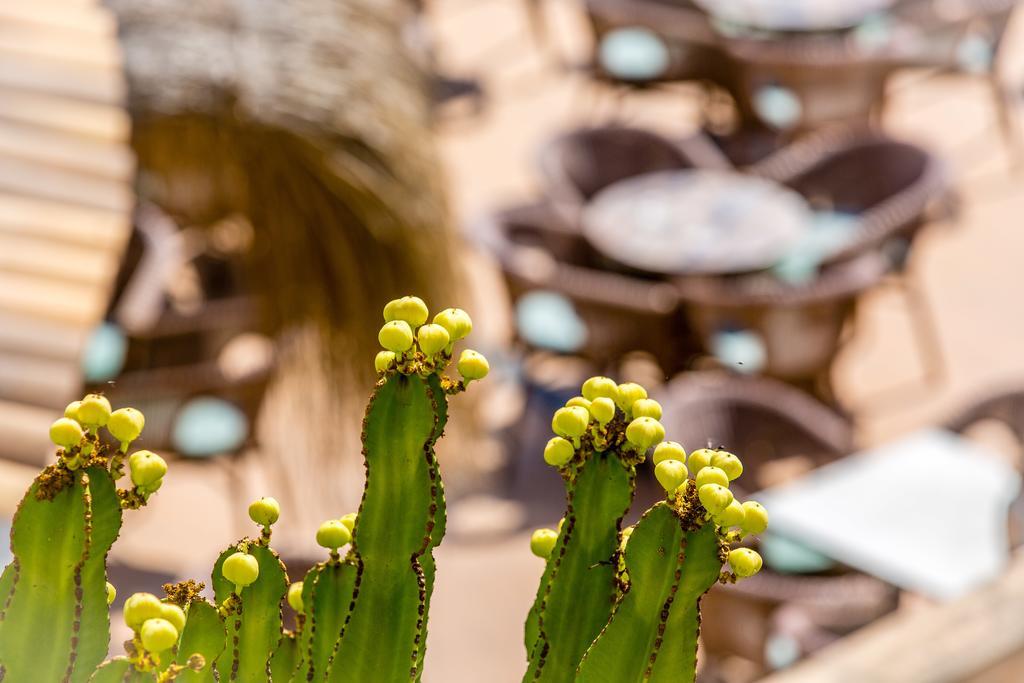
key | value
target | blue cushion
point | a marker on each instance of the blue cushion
(741, 351)
(208, 426)
(633, 54)
(778, 107)
(547, 320)
(104, 353)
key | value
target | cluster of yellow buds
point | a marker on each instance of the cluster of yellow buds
(77, 433)
(412, 345)
(712, 471)
(605, 415)
(155, 623)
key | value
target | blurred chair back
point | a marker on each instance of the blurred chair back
(577, 165)
(540, 254)
(767, 423)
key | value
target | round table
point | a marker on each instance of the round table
(691, 222)
(794, 15)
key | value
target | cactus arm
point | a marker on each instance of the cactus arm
(330, 596)
(382, 637)
(629, 643)
(677, 659)
(285, 659)
(252, 634)
(440, 513)
(203, 635)
(104, 526)
(115, 670)
(576, 601)
(7, 579)
(39, 627)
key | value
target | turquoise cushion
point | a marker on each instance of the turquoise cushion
(104, 353)
(741, 351)
(830, 231)
(548, 320)
(789, 557)
(633, 54)
(778, 107)
(208, 426)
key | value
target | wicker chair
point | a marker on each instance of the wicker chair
(761, 419)
(765, 421)
(893, 187)
(800, 326)
(577, 165)
(537, 251)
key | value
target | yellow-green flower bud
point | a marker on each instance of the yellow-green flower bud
(668, 450)
(333, 534)
(670, 474)
(644, 432)
(647, 407)
(396, 336)
(111, 593)
(94, 410)
(579, 402)
(714, 497)
(432, 338)
(241, 569)
(542, 542)
(383, 361)
(175, 615)
(71, 410)
(561, 523)
(264, 511)
(349, 521)
(65, 432)
(456, 321)
(125, 424)
(147, 468)
(558, 452)
(409, 309)
(728, 463)
(603, 409)
(732, 515)
(141, 607)
(158, 635)
(570, 422)
(712, 475)
(755, 520)
(699, 459)
(744, 562)
(627, 394)
(597, 387)
(473, 365)
(295, 597)
(624, 536)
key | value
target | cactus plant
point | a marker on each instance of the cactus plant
(623, 606)
(613, 604)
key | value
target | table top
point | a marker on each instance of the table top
(696, 222)
(794, 15)
(927, 513)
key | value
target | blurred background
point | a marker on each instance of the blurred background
(797, 222)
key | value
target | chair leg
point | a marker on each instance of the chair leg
(1005, 104)
(925, 329)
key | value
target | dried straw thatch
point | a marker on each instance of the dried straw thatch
(310, 119)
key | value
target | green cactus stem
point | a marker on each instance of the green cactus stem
(578, 587)
(252, 616)
(385, 631)
(652, 634)
(204, 634)
(597, 458)
(327, 595)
